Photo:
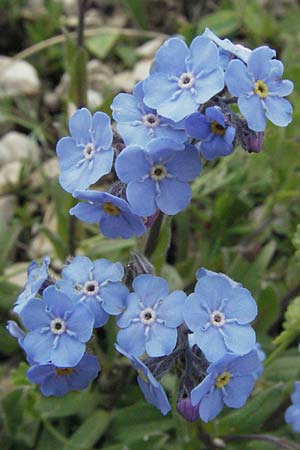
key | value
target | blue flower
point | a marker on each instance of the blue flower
(138, 124)
(292, 414)
(58, 329)
(158, 175)
(150, 320)
(36, 276)
(260, 90)
(113, 214)
(212, 129)
(152, 389)
(60, 380)
(182, 78)
(219, 314)
(87, 155)
(261, 356)
(229, 381)
(97, 284)
(227, 49)
(15, 331)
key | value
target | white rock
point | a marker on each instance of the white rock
(141, 69)
(15, 146)
(49, 170)
(17, 273)
(149, 49)
(17, 78)
(124, 81)
(8, 205)
(9, 175)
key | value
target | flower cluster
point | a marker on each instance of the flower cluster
(209, 329)
(179, 112)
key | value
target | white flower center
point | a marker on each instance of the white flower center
(89, 151)
(158, 172)
(147, 316)
(150, 120)
(58, 326)
(217, 318)
(91, 287)
(186, 80)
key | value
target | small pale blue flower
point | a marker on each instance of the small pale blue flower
(219, 313)
(182, 78)
(87, 155)
(157, 176)
(153, 391)
(227, 47)
(215, 134)
(229, 381)
(260, 90)
(138, 124)
(58, 381)
(114, 215)
(97, 284)
(150, 320)
(36, 276)
(58, 328)
(292, 414)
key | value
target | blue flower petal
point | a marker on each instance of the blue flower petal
(38, 345)
(37, 373)
(106, 270)
(132, 311)
(214, 113)
(208, 85)
(211, 405)
(212, 289)
(211, 342)
(194, 315)
(241, 306)
(102, 130)
(237, 78)
(185, 165)
(150, 288)
(80, 125)
(135, 134)
(78, 269)
(173, 196)
(204, 55)
(252, 108)
(34, 315)
(155, 394)
(131, 164)
(114, 297)
(170, 58)
(161, 340)
(81, 322)
(238, 390)
(171, 309)
(278, 110)
(141, 197)
(68, 351)
(100, 316)
(179, 106)
(239, 339)
(87, 213)
(125, 108)
(132, 339)
(68, 153)
(158, 88)
(245, 364)
(162, 149)
(202, 389)
(198, 126)
(216, 147)
(57, 301)
(280, 88)
(259, 62)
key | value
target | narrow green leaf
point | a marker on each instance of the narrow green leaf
(136, 9)
(221, 22)
(72, 403)
(159, 254)
(8, 238)
(101, 45)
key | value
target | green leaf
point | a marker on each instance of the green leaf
(8, 238)
(137, 11)
(89, 432)
(101, 45)
(268, 309)
(256, 411)
(221, 22)
(13, 411)
(8, 295)
(72, 403)
(285, 368)
(163, 243)
(291, 323)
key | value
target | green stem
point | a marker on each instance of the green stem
(284, 345)
(58, 436)
(153, 235)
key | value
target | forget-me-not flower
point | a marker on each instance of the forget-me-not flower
(87, 154)
(58, 328)
(113, 214)
(58, 381)
(157, 176)
(152, 315)
(229, 381)
(36, 276)
(219, 313)
(153, 391)
(182, 78)
(227, 49)
(97, 284)
(215, 134)
(292, 414)
(138, 124)
(260, 90)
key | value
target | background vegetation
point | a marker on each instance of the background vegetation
(244, 219)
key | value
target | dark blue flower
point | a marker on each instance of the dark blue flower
(58, 381)
(215, 134)
(292, 414)
(113, 214)
(152, 389)
(138, 124)
(97, 284)
(150, 320)
(219, 313)
(87, 155)
(259, 89)
(182, 78)
(36, 276)
(158, 175)
(229, 381)
(58, 329)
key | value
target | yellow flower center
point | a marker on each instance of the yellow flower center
(222, 379)
(260, 88)
(64, 372)
(110, 209)
(217, 129)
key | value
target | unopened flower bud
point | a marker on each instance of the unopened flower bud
(253, 141)
(187, 410)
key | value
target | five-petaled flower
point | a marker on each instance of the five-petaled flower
(150, 320)
(87, 155)
(97, 284)
(158, 175)
(260, 90)
(219, 314)
(58, 328)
